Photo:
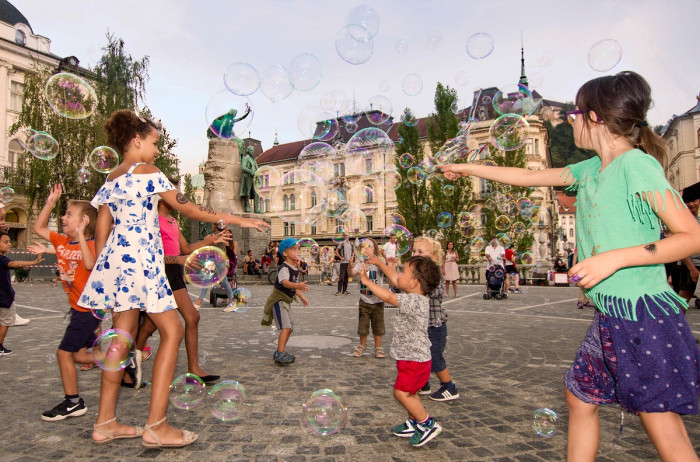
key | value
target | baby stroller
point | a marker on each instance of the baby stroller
(218, 291)
(495, 277)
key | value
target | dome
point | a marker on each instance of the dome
(197, 181)
(11, 15)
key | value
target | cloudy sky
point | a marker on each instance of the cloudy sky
(192, 43)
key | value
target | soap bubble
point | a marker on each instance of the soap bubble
(416, 175)
(354, 221)
(448, 190)
(296, 187)
(305, 72)
(228, 115)
(241, 79)
(502, 223)
(544, 59)
(324, 412)
(70, 96)
(7, 194)
(444, 219)
(206, 266)
(526, 258)
(392, 178)
(317, 123)
(513, 99)
(363, 252)
(318, 151)
(379, 110)
(308, 247)
(228, 401)
(187, 391)
(394, 218)
(477, 245)
(363, 23)
(104, 159)
(479, 45)
(266, 180)
(433, 39)
(112, 350)
(406, 160)
(102, 314)
(275, 83)
(509, 132)
(604, 55)
(84, 175)
(42, 146)
(242, 298)
(503, 239)
(404, 238)
(360, 194)
(412, 84)
(349, 49)
(544, 421)
(409, 119)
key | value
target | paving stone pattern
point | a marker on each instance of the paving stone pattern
(507, 357)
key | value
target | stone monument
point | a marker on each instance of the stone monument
(222, 186)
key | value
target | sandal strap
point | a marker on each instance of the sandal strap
(149, 429)
(106, 422)
(155, 424)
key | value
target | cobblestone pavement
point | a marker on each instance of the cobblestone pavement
(507, 357)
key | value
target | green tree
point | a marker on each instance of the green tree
(561, 142)
(447, 197)
(186, 223)
(119, 82)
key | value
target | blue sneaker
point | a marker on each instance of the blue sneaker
(445, 394)
(405, 430)
(425, 432)
(282, 358)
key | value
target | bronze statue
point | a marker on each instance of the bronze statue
(248, 169)
(222, 126)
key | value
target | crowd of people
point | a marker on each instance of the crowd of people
(639, 350)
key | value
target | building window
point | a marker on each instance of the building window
(313, 230)
(285, 203)
(368, 195)
(16, 96)
(313, 199)
(537, 147)
(485, 188)
(286, 229)
(286, 178)
(14, 153)
(368, 166)
(339, 169)
(292, 202)
(20, 38)
(484, 218)
(571, 233)
(267, 204)
(370, 223)
(483, 151)
(292, 230)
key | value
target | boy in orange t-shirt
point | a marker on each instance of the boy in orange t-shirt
(75, 256)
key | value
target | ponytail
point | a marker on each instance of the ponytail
(651, 143)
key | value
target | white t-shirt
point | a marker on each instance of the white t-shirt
(496, 254)
(390, 249)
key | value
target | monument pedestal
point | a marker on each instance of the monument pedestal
(222, 186)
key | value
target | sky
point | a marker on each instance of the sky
(190, 45)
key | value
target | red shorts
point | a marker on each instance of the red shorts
(412, 375)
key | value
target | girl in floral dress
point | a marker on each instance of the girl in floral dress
(129, 273)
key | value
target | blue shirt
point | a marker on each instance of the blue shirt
(7, 293)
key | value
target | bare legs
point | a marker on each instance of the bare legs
(447, 288)
(412, 404)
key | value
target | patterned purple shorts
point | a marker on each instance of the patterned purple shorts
(649, 365)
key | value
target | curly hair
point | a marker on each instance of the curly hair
(426, 271)
(123, 126)
(436, 252)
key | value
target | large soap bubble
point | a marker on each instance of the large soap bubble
(228, 115)
(70, 96)
(354, 51)
(509, 132)
(296, 191)
(187, 391)
(104, 159)
(42, 146)
(241, 79)
(112, 349)
(412, 84)
(514, 99)
(228, 401)
(206, 266)
(604, 55)
(544, 422)
(480, 45)
(305, 72)
(275, 83)
(379, 110)
(266, 180)
(317, 150)
(363, 23)
(404, 238)
(324, 412)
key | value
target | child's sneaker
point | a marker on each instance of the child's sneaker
(64, 410)
(425, 390)
(425, 432)
(405, 430)
(283, 358)
(230, 307)
(4, 351)
(133, 368)
(445, 394)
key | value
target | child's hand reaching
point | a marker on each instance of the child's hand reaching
(303, 286)
(256, 223)
(55, 194)
(453, 171)
(38, 259)
(372, 259)
(304, 300)
(37, 248)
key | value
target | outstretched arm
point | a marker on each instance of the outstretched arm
(385, 294)
(41, 225)
(247, 112)
(391, 274)
(508, 175)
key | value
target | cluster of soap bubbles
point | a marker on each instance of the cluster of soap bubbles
(324, 412)
(227, 400)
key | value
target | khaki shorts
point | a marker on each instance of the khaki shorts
(7, 316)
(371, 315)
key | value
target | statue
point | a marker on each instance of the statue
(222, 126)
(248, 169)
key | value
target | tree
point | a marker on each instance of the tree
(186, 223)
(119, 83)
(561, 143)
(448, 197)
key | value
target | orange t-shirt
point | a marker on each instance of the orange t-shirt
(69, 260)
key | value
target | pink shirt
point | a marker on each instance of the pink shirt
(170, 232)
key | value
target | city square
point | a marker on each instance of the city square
(507, 357)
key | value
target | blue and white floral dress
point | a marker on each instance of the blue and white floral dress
(130, 271)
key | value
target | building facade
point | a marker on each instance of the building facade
(682, 133)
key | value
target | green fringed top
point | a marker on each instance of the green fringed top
(612, 213)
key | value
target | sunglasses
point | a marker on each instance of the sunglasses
(571, 115)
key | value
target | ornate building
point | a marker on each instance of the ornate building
(682, 133)
(20, 50)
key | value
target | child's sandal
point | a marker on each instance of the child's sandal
(359, 351)
(379, 352)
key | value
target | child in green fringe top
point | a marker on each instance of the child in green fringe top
(639, 350)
